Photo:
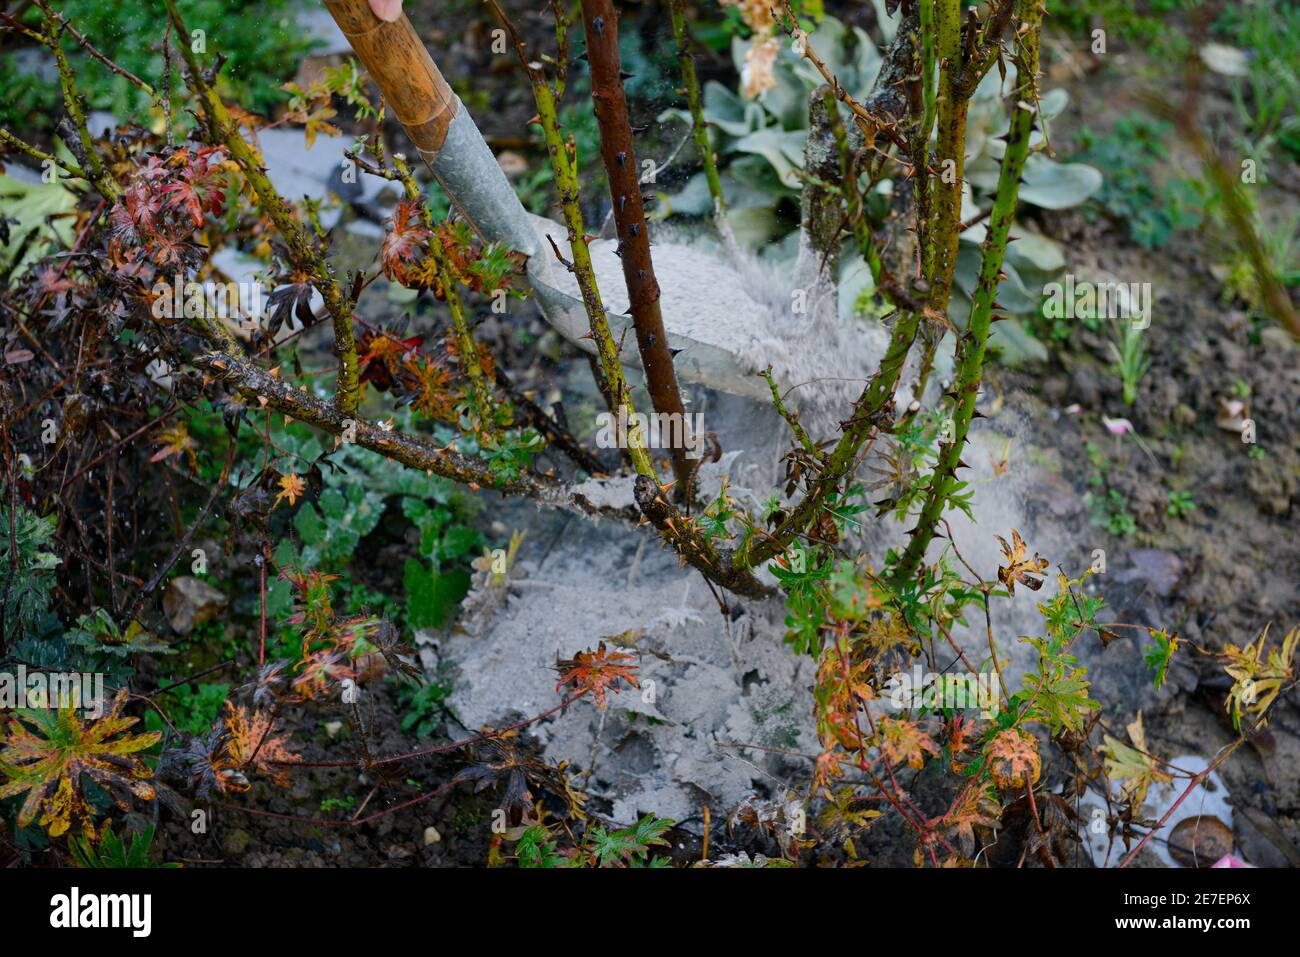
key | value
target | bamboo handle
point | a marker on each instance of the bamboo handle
(402, 69)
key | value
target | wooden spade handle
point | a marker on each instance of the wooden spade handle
(402, 69)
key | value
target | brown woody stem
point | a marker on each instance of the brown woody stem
(412, 451)
(601, 24)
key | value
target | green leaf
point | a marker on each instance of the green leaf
(31, 204)
(114, 851)
(629, 844)
(460, 541)
(728, 112)
(432, 598)
(1034, 249)
(1159, 657)
(783, 149)
(1060, 698)
(279, 593)
(347, 515)
(1053, 185)
(536, 849)
(693, 199)
(28, 585)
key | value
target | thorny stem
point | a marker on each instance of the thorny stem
(963, 62)
(564, 168)
(929, 347)
(972, 345)
(929, 60)
(561, 46)
(98, 55)
(863, 421)
(923, 184)
(41, 156)
(607, 349)
(872, 121)
(72, 101)
(870, 412)
(873, 408)
(409, 450)
(858, 222)
(950, 152)
(302, 252)
(684, 537)
(699, 127)
(821, 218)
(792, 419)
(673, 528)
(600, 21)
(165, 100)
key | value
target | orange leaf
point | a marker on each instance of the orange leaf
(597, 672)
(1013, 755)
(904, 741)
(292, 487)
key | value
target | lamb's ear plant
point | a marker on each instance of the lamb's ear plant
(759, 142)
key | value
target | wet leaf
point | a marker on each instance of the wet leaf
(292, 487)
(1131, 766)
(51, 754)
(1026, 571)
(597, 672)
(904, 741)
(1013, 757)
